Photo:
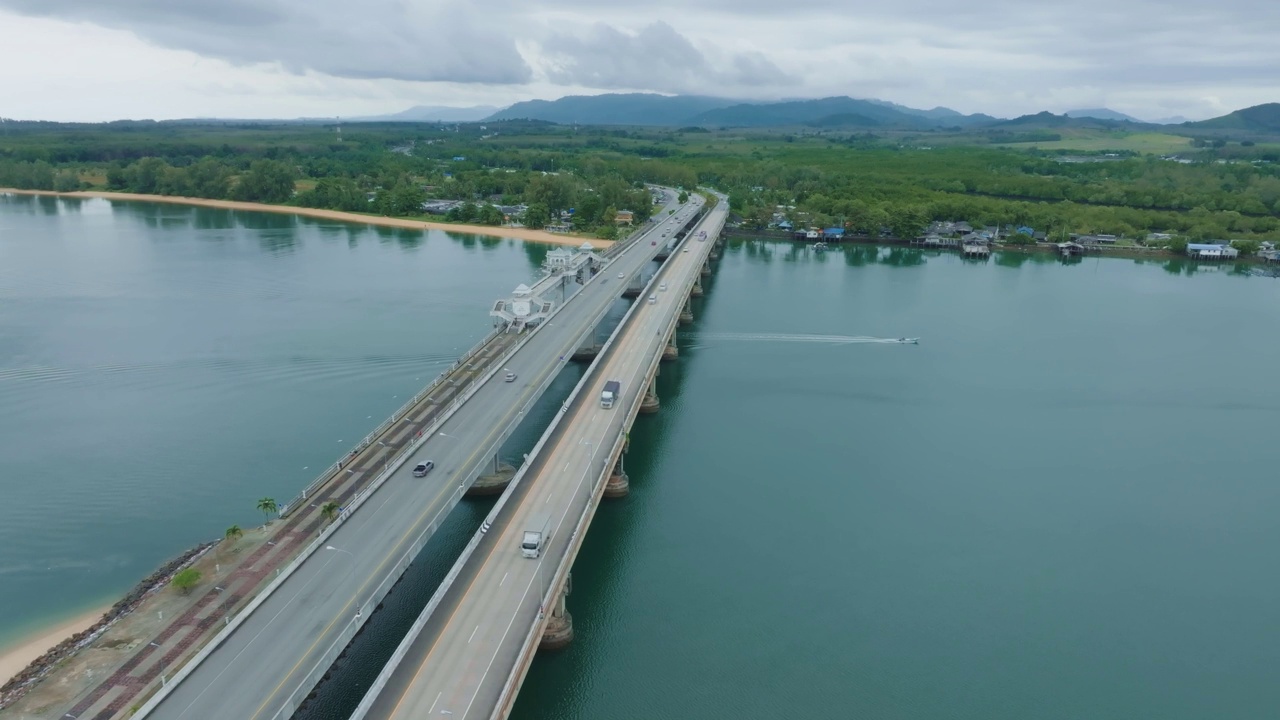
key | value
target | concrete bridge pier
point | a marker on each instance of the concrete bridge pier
(686, 314)
(670, 351)
(635, 286)
(706, 270)
(618, 485)
(559, 630)
(492, 483)
(649, 404)
(587, 350)
(696, 291)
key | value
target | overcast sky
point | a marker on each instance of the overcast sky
(110, 59)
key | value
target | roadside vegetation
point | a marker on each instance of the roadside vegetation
(862, 181)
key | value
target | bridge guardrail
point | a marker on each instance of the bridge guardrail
(516, 679)
(331, 471)
(390, 468)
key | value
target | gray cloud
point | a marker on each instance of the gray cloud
(657, 57)
(425, 41)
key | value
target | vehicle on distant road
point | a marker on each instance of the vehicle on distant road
(653, 299)
(511, 377)
(610, 393)
(622, 276)
(535, 538)
(422, 468)
(662, 287)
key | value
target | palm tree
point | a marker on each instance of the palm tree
(329, 511)
(267, 506)
(233, 533)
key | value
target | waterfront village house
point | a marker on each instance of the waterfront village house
(833, 233)
(624, 217)
(1212, 251)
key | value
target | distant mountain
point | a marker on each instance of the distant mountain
(614, 109)
(1175, 120)
(696, 110)
(1259, 118)
(1049, 120)
(843, 110)
(432, 113)
(1102, 114)
(943, 115)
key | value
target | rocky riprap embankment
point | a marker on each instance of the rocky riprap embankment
(43, 665)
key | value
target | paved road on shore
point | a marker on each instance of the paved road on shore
(267, 665)
(459, 664)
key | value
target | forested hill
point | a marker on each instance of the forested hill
(692, 110)
(614, 109)
(1259, 118)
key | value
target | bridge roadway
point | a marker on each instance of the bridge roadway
(267, 665)
(473, 643)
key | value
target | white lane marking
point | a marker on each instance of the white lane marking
(433, 702)
(544, 502)
(504, 580)
(501, 641)
(473, 635)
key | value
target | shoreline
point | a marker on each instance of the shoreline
(522, 234)
(15, 657)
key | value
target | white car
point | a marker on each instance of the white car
(662, 287)
(622, 276)
(422, 468)
(685, 250)
(653, 299)
(511, 377)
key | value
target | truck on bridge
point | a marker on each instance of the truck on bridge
(610, 393)
(536, 537)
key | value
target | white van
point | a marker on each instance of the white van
(653, 299)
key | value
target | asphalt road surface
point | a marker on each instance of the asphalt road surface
(458, 665)
(269, 663)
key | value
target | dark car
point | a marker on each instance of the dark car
(422, 468)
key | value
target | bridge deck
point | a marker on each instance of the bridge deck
(474, 641)
(266, 666)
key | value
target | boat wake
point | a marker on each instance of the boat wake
(816, 339)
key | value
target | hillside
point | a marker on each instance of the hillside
(1102, 114)
(841, 110)
(1259, 118)
(614, 109)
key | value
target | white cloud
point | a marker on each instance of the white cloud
(281, 58)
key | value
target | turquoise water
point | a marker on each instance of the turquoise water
(163, 367)
(1061, 504)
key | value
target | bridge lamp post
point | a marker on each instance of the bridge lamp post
(156, 645)
(386, 450)
(359, 605)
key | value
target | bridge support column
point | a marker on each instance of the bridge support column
(559, 630)
(696, 291)
(686, 313)
(618, 485)
(706, 269)
(587, 350)
(670, 351)
(649, 404)
(492, 483)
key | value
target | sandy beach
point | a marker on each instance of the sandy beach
(15, 657)
(525, 234)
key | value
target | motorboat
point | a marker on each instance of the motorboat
(909, 341)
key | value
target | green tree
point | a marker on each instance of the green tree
(489, 215)
(233, 533)
(268, 181)
(267, 506)
(329, 511)
(683, 198)
(66, 181)
(536, 215)
(186, 580)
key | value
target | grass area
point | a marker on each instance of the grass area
(1095, 141)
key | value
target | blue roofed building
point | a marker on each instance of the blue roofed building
(833, 233)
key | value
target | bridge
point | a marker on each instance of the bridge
(467, 654)
(269, 656)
